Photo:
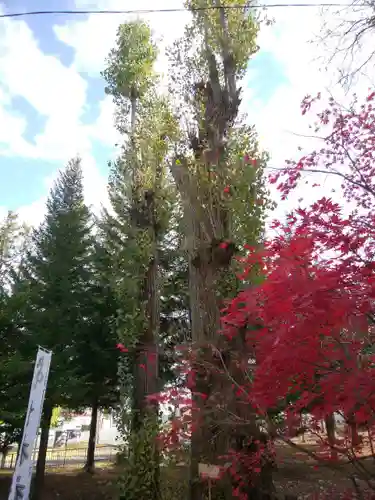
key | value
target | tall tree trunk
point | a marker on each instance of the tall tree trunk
(146, 368)
(145, 412)
(148, 348)
(90, 461)
(19, 441)
(146, 355)
(204, 326)
(4, 453)
(146, 361)
(43, 446)
(133, 109)
(99, 427)
(208, 233)
(210, 250)
(353, 430)
(329, 422)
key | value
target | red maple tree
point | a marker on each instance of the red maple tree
(315, 352)
(307, 331)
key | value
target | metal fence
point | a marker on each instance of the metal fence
(61, 457)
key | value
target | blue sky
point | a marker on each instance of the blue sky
(53, 106)
(25, 179)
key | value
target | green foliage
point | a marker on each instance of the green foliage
(138, 478)
(174, 481)
(129, 71)
(13, 238)
(214, 54)
(174, 308)
(54, 282)
(248, 200)
(97, 356)
(14, 370)
(141, 169)
(143, 202)
(56, 415)
(8, 235)
(236, 21)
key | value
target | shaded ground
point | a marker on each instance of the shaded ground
(71, 485)
(295, 475)
(311, 482)
(298, 473)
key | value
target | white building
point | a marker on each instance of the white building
(77, 429)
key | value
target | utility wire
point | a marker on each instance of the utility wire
(155, 11)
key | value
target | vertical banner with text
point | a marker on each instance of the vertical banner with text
(21, 481)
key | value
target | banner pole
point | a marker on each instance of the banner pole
(21, 481)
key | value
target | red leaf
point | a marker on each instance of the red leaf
(122, 348)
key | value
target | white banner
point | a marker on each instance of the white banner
(20, 489)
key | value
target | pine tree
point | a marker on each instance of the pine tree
(97, 355)
(175, 328)
(14, 372)
(56, 276)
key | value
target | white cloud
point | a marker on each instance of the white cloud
(95, 184)
(33, 213)
(3, 212)
(92, 39)
(103, 129)
(281, 127)
(49, 86)
(4, 97)
(95, 192)
(90, 49)
(55, 91)
(12, 129)
(60, 143)
(59, 94)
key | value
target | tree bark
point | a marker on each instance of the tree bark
(133, 110)
(353, 430)
(43, 446)
(329, 422)
(206, 229)
(19, 441)
(145, 384)
(90, 461)
(204, 327)
(146, 358)
(4, 453)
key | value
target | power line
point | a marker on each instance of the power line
(157, 11)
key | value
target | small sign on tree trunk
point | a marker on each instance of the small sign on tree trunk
(209, 471)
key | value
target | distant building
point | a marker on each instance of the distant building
(76, 429)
